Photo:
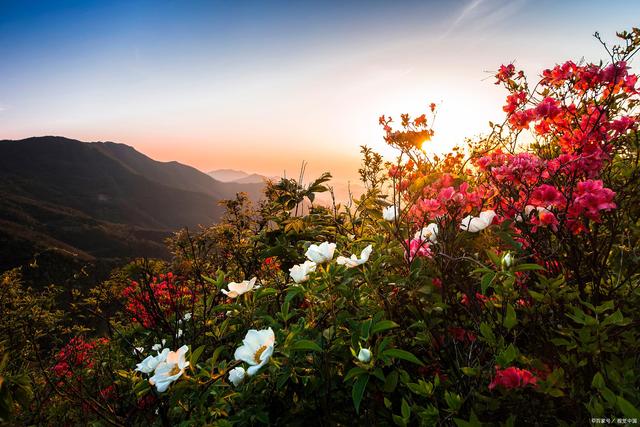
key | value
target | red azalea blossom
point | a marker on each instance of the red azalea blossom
(513, 377)
(165, 295)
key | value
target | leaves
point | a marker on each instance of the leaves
(357, 392)
(305, 345)
(383, 325)
(402, 354)
(510, 319)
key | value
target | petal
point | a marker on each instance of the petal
(245, 354)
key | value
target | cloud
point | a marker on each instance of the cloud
(466, 11)
(483, 14)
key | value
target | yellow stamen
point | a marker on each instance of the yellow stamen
(256, 356)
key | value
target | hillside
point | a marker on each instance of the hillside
(98, 200)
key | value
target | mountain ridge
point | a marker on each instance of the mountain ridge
(100, 199)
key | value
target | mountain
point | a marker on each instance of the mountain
(227, 175)
(98, 200)
(254, 178)
(240, 177)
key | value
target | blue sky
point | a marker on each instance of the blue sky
(263, 85)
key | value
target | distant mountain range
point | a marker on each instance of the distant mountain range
(99, 199)
(239, 177)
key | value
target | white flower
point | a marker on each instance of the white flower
(321, 253)
(237, 289)
(390, 213)
(354, 261)
(507, 260)
(158, 347)
(138, 350)
(300, 272)
(169, 370)
(179, 333)
(429, 232)
(236, 375)
(256, 349)
(364, 355)
(187, 317)
(149, 364)
(478, 223)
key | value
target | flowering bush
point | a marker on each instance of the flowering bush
(497, 284)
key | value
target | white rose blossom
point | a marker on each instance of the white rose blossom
(474, 224)
(236, 375)
(354, 261)
(321, 253)
(256, 350)
(300, 272)
(237, 289)
(429, 232)
(170, 370)
(150, 363)
(390, 213)
(364, 355)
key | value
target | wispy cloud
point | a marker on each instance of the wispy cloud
(483, 13)
(466, 11)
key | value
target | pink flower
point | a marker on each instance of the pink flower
(591, 198)
(546, 195)
(418, 247)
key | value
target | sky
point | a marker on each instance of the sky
(261, 86)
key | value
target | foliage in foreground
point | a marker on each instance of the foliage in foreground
(493, 286)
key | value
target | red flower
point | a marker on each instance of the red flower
(513, 377)
(505, 72)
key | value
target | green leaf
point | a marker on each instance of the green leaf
(305, 345)
(357, 392)
(598, 381)
(507, 356)
(470, 372)
(510, 319)
(383, 325)
(402, 354)
(614, 319)
(487, 333)
(391, 382)
(354, 372)
(528, 267)
(627, 408)
(486, 281)
(195, 356)
(405, 410)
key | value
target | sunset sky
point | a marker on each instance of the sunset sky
(261, 86)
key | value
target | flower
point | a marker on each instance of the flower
(429, 232)
(354, 261)
(236, 375)
(300, 272)
(137, 350)
(364, 355)
(237, 289)
(187, 317)
(513, 377)
(170, 370)
(390, 213)
(418, 247)
(477, 223)
(507, 260)
(256, 349)
(321, 253)
(158, 347)
(149, 364)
